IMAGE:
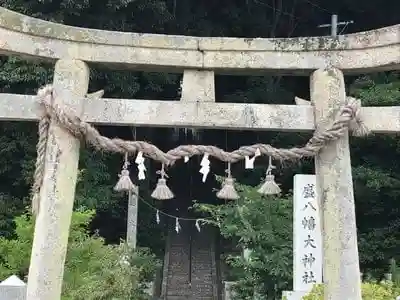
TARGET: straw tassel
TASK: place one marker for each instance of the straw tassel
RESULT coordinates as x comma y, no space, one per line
228,191
162,191
269,187
124,183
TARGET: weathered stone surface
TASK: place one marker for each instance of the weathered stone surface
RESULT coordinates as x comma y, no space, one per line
71,78
366,51
122,112
341,271
198,86
131,228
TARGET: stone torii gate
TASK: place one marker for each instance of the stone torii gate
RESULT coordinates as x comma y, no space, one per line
325,58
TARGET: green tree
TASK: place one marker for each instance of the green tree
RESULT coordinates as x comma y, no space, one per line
376,177
263,225
93,270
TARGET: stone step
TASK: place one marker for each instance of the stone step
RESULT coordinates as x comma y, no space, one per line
178,266
183,290
201,261
196,256
201,271
201,257
178,272
202,286
180,290
204,255
180,297
207,279
178,276
178,250
173,282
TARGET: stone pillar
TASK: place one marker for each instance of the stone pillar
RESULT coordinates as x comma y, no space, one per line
71,79
131,228
341,271
198,85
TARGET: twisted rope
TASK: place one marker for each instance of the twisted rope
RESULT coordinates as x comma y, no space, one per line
43,129
348,118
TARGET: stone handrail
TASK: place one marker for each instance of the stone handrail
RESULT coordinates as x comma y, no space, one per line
362,52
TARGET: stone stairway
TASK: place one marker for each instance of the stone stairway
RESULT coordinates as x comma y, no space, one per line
204,279
189,265
178,268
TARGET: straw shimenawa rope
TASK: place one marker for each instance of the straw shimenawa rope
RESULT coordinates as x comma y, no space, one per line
43,130
348,118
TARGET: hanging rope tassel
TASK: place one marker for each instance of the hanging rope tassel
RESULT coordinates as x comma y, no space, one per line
269,187
228,191
162,191
124,183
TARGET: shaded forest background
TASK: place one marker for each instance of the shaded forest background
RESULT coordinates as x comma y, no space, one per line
375,160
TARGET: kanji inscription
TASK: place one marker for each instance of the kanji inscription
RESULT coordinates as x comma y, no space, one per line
309,223
308,277
308,260
307,242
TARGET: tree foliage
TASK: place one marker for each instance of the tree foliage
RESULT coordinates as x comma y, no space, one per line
376,178
93,270
263,225
370,291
